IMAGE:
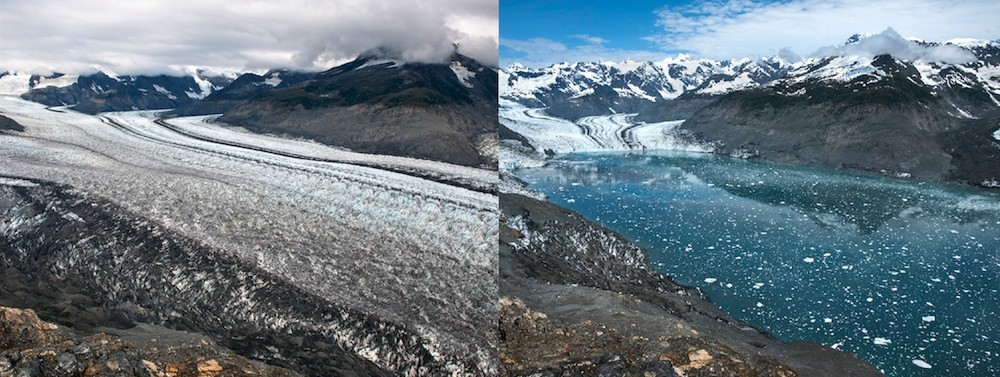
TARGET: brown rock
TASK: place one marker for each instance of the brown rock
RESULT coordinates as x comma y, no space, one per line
209,368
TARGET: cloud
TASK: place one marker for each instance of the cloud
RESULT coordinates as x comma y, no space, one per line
736,28
539,52
590,39
133,37
890,42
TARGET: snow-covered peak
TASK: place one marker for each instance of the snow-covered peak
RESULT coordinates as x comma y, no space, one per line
972,42
889,42
858,37
836,69
638,80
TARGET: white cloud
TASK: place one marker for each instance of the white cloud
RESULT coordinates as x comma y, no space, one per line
890,42
161,36
590,39
737,28
539,52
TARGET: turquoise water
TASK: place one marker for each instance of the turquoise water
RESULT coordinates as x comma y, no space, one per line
901,273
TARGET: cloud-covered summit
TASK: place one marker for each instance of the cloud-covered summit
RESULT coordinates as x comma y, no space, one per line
890,42
150,37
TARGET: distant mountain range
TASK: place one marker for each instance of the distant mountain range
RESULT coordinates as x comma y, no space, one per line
575,90
374,104
105,91
880,103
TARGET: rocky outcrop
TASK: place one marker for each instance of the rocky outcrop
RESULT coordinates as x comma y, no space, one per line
579,299
7,124
31,347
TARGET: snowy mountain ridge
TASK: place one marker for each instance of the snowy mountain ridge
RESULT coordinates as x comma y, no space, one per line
633,86
652,81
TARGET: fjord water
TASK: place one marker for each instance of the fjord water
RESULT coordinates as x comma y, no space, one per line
904,274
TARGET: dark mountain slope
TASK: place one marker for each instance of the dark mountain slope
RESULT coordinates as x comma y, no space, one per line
375,105
243,88
888,120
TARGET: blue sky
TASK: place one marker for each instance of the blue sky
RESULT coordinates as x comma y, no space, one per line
539,33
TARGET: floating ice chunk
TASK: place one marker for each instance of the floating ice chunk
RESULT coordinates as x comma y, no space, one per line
928,318
758,285
882,341
808,260
760,304
921,363
711,280
827,320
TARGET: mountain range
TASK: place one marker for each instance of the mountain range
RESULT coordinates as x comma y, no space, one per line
879,102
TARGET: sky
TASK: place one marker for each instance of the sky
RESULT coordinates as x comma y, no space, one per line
539,33
172,36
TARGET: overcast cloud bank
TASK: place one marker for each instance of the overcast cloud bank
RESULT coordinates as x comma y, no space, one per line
151,37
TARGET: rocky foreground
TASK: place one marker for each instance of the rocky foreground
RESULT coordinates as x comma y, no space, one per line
30,346
579,299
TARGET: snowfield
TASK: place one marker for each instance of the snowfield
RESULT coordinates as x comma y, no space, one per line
595,133
384,235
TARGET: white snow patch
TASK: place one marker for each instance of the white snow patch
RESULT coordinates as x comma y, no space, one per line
164,91
463,74
58,82
373,62
274,80
14,83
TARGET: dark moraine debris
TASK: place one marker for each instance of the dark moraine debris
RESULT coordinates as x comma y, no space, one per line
7,124
84,262
579,299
